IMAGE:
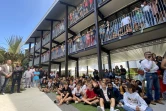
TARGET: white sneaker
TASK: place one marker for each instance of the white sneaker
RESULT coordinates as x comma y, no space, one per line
99,108
116,110
76,102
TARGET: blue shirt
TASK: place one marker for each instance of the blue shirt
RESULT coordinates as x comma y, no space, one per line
36,75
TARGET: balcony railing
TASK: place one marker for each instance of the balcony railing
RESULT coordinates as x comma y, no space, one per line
36,62
46,39
59,28
58,52
37,46
45,57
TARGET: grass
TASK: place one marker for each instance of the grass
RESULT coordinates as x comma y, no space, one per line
82,107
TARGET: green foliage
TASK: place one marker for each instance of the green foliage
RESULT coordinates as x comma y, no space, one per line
13,50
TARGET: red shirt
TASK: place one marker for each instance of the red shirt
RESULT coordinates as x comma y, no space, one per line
91,1
90,93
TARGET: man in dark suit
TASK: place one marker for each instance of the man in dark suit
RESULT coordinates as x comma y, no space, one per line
5,73
16,77
106,98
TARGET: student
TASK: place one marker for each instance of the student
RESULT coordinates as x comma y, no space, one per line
43,86
36,78
72,85
132,100
65,96
77,93
106,99
90,97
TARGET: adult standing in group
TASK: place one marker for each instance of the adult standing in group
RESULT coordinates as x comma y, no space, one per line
36,78
16,77
6,73
28,75
41,75
123,73
150,68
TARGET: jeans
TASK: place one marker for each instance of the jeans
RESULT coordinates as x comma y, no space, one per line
149,17
18,80
152,80
126,108
3,88
123,77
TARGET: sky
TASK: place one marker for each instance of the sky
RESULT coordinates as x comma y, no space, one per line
20,17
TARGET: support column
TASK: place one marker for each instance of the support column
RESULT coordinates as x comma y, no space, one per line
29,51
50,55
109,61
60,70
41,40
128,66
98,39
34,53
66,42
77,68
87,70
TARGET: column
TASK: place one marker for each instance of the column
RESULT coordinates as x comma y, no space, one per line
77,68
29,51
128,68
41,40
109,60
87,70
66,42
50,56
98,39
60,70
34,53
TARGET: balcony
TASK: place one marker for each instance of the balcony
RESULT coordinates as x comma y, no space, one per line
36,62
45,57
46,39
32,50
37,47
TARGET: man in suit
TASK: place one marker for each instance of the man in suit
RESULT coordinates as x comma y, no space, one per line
5,73
16,77
106,98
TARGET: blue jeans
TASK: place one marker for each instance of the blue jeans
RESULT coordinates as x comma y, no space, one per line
152,80
149,18
126,108
4,85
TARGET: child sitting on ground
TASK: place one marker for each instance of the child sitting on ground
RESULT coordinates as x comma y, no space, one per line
77,93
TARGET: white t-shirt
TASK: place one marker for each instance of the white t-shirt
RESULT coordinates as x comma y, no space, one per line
146,8
125,21
84,88
72,86
133,100
77,92
105,95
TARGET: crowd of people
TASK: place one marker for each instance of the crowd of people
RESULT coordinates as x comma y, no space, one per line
150,13
112,91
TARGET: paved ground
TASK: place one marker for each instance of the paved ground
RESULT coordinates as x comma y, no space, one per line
30,100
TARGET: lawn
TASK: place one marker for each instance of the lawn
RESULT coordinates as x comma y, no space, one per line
82,107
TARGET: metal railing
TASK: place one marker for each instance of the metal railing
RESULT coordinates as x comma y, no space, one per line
45,57
36,61
59,28
46,39
37,46
58,51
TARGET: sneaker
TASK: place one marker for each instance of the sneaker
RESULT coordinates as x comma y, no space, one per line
94,104
55,101
76,102
99,108
116,110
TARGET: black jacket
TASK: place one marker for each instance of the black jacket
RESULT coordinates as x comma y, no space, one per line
101,94
17,73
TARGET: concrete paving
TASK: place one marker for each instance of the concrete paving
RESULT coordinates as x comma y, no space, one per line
29,100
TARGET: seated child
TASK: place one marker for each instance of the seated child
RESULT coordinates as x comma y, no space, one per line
90,97
132,100
77,93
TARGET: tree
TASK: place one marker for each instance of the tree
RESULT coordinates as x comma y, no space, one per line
13,50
